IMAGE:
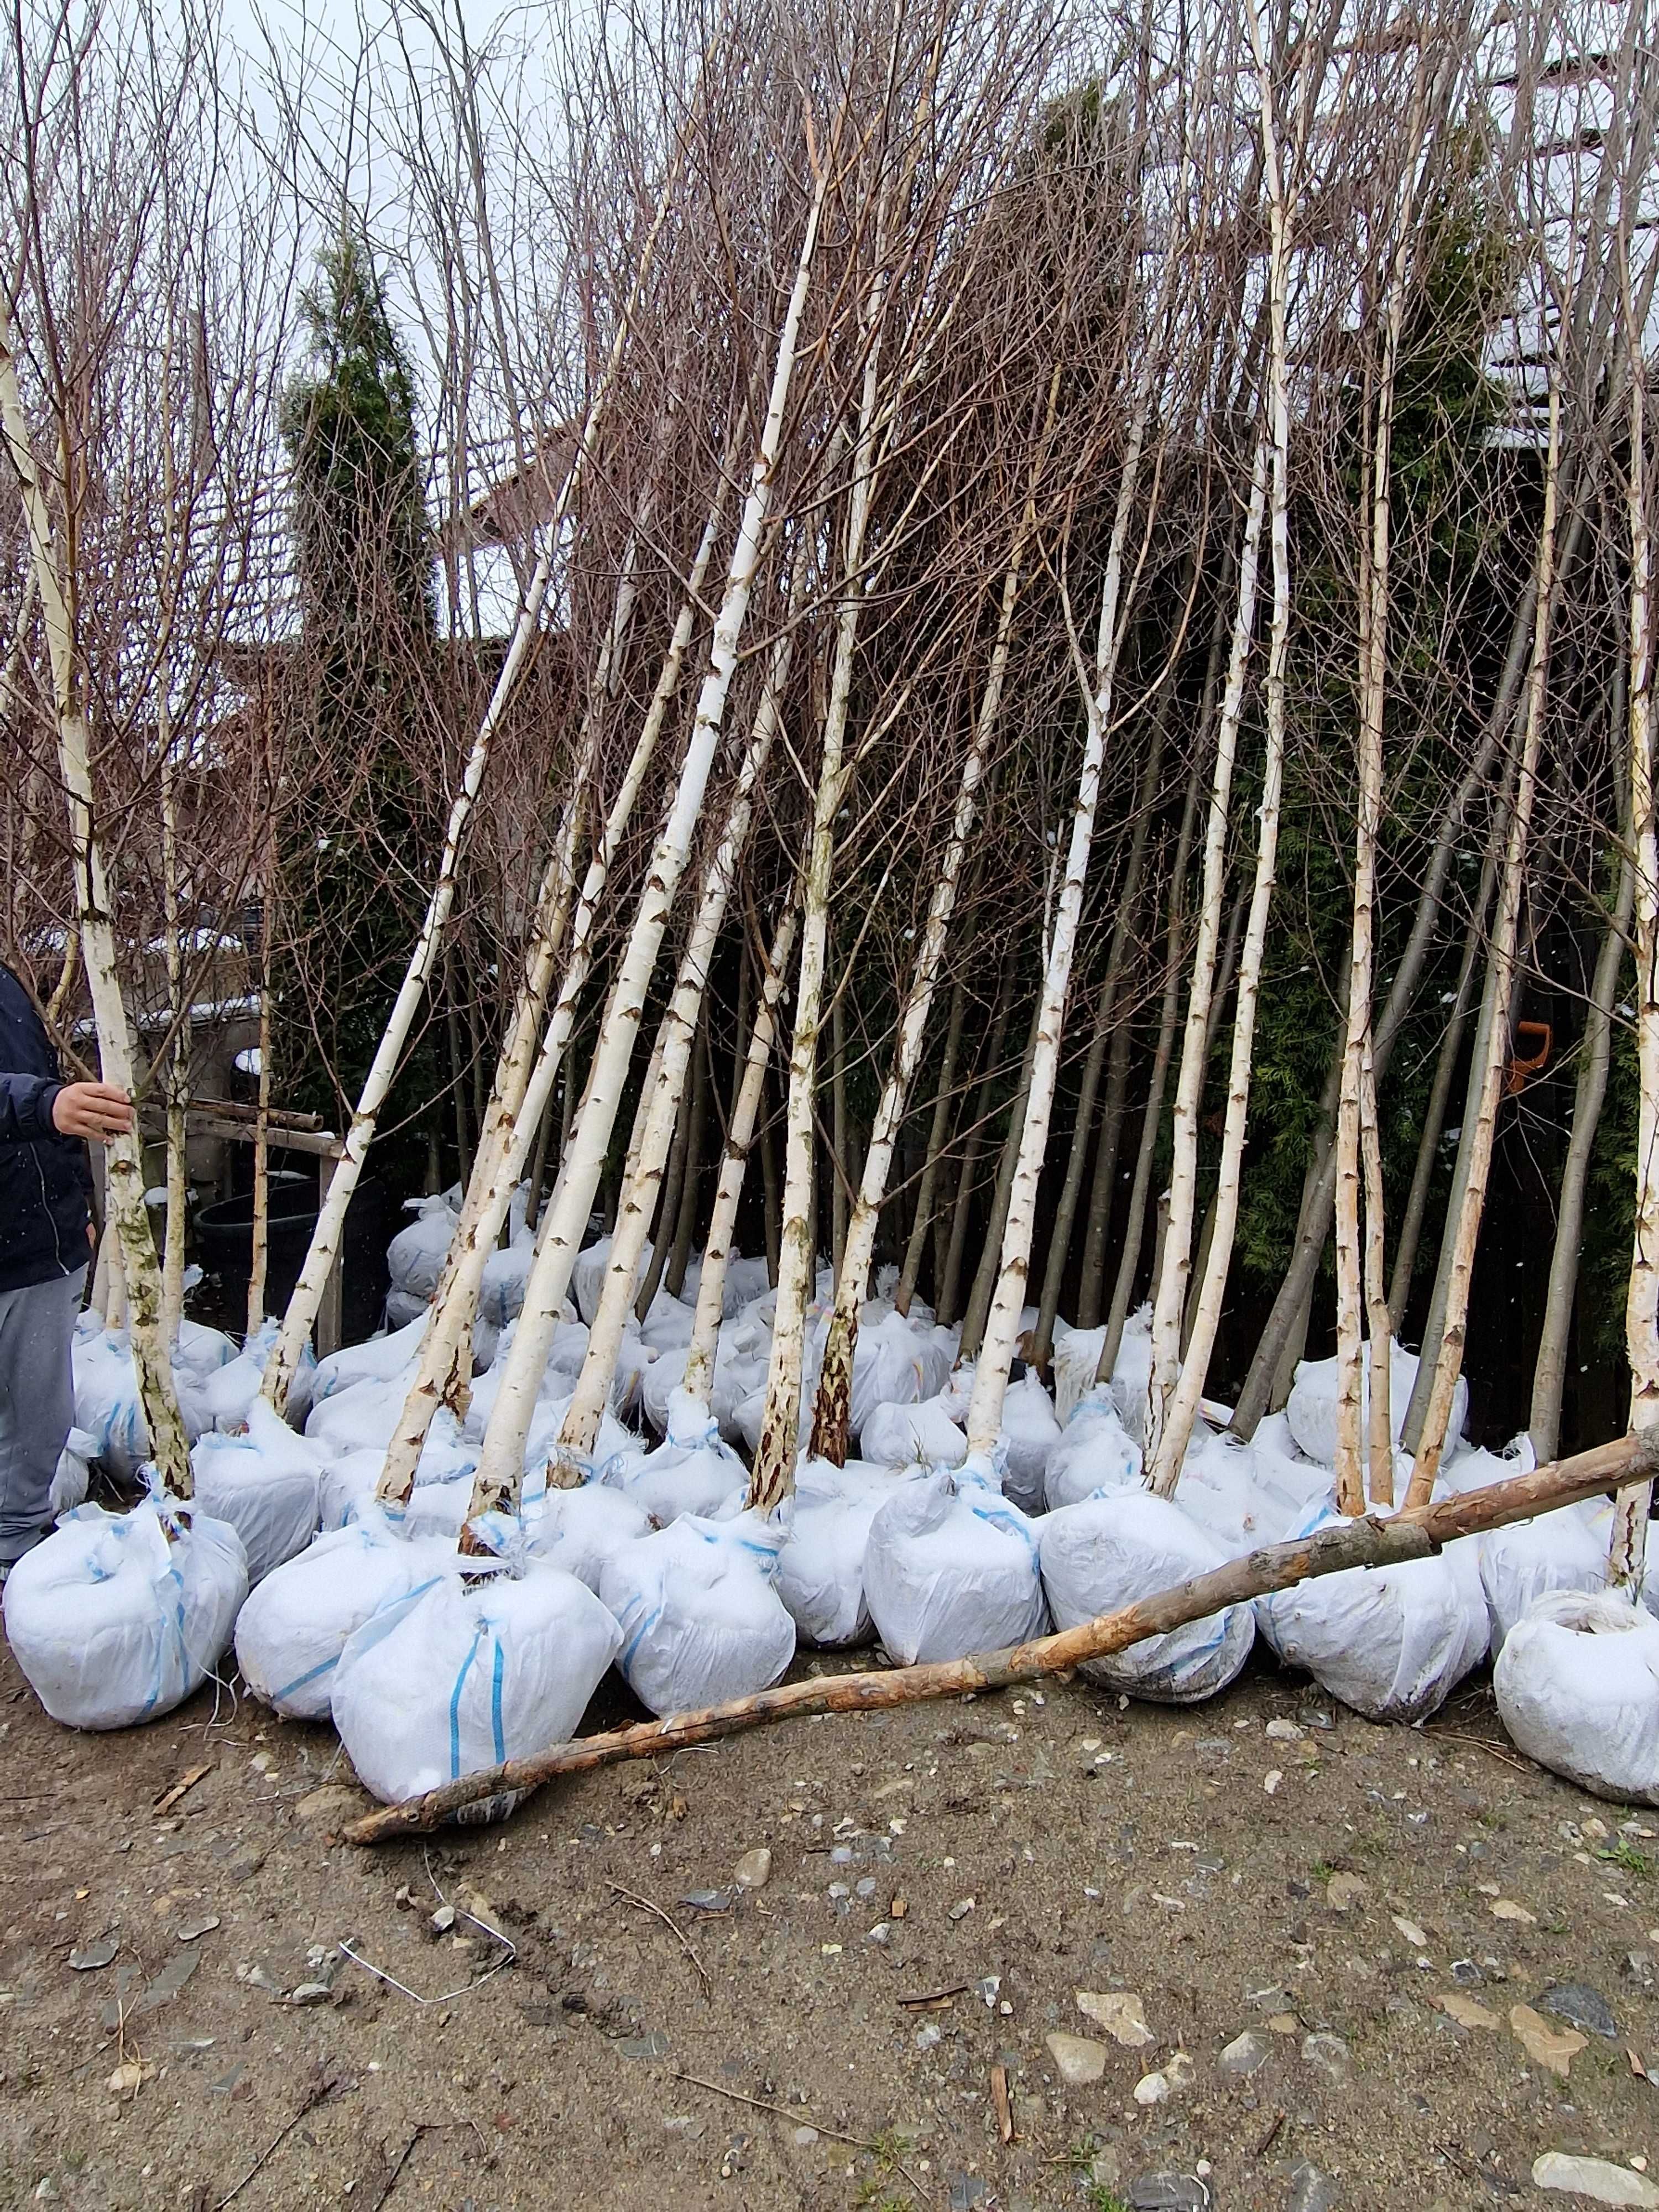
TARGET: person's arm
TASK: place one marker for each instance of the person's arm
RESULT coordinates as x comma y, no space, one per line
26,1108
36,1106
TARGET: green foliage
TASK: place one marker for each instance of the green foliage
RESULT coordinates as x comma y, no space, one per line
348,424
1625,1856
1444,510
1610,1209
357,822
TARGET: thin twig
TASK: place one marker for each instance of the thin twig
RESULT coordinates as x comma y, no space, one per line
422,2128
673,1926
802,2118
391,2181
1271,2136
314,2096
1480,1743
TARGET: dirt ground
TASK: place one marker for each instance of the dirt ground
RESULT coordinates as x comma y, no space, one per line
1266,1867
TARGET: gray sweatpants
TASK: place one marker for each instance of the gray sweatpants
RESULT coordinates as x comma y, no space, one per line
37,1403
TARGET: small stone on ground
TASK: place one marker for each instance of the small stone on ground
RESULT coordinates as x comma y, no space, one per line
1078,2059
1594,2178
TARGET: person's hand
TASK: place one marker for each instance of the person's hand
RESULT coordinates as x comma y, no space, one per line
95,1110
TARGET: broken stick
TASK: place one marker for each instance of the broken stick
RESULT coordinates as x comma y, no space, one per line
1416,1533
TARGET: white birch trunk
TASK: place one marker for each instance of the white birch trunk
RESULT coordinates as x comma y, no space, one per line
665,1093
1106,1027
773,1476
178,1069
699,1377
939,1131
124,1174
307,1297
501,1461
259,1253
1432,1439
1178,1380
1351,1113
1135,1229
1378,1322
1629,1549
833,1405
324,1248
525,1078
996,1351
1170,1298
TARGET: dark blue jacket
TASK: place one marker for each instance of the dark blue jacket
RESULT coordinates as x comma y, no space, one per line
44,1178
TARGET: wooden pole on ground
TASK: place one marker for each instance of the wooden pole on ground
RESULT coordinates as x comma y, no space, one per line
1416,1533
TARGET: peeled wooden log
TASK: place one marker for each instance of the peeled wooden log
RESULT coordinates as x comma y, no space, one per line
1416,1533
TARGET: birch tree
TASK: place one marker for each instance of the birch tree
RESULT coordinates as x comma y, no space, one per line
501,1459
324,1248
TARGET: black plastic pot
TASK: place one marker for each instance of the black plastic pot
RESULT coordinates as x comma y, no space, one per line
224,1245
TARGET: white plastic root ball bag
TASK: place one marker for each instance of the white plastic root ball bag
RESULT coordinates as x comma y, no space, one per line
588,1273
1577,1688
668,1326
740,1357
473,1670
1311,1407
1392,1642
1285,1488
414,1257
375,1361
117,1617
501,1287
72,1478
615,1449
290,1633
1132,1371
742,1353
743,1282
107,1401
950,1567
226,1394
199,1351
698,1606
1562,1551
436,1509
1106,1553
924,1434
1247,1494
1030,1431
265,1483
580,1530
564,1364
692,1472
362,1417
820,1568
1076,1356
347,1484
896,1361
402,1307
634,1359
1094,1451
661,1382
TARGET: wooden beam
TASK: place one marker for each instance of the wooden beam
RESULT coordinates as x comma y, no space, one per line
1416,1533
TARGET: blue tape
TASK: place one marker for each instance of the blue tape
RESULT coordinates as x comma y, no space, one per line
455,1706
300,1681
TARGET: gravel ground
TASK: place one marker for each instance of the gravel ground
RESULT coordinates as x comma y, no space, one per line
1303,1962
